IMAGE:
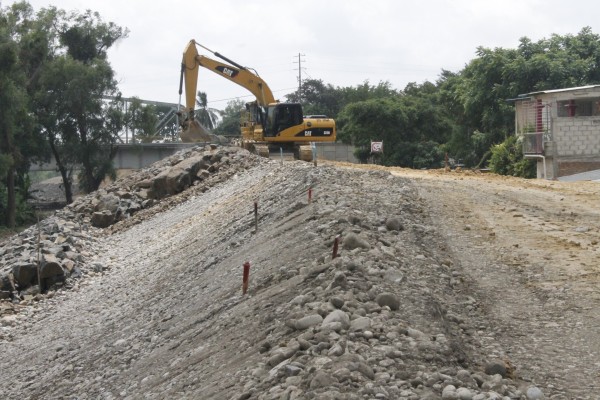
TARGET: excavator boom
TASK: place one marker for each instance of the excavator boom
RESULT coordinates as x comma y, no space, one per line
235,73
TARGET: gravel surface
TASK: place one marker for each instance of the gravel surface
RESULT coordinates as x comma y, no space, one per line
446,286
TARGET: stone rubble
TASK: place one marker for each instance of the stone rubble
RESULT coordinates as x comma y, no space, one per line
390,318
61,245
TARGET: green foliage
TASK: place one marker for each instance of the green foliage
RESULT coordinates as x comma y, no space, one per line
142,120
24,213
230,118
81,128
318,98
19,142
477,95
507,159
376,119
412,124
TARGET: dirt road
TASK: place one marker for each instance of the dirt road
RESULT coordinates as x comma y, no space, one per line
531,249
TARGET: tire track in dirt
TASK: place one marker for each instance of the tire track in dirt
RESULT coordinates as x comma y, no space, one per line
533,270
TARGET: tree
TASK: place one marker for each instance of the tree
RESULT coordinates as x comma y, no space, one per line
12,108
478,94
412,125
207,116
317,97
19,143
81,128
230,118
142,120
376,119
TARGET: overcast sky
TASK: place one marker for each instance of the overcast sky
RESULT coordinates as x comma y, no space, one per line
342,42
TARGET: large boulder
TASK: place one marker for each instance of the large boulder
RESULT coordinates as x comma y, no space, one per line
51,273
25,274
177,178
108,202
353,241
102,219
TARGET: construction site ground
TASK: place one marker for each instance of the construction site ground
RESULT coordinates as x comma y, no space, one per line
502,268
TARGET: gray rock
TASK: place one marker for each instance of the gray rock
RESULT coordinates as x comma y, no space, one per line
109,203
339,280
304,344
322,380
352,265
336,350
308,321
280,354
337,302
388,299
337,316
332,327
366,370
464,394
102,219
25,274
393,276
394,224
449,393
299,300
534,393
353,241
292,370
496,367
360,324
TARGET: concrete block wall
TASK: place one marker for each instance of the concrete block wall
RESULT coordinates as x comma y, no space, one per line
577,136
336,152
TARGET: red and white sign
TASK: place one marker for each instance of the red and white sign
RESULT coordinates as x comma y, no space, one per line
376,147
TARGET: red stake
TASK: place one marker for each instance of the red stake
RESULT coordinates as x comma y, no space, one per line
336,243
309,195
246,277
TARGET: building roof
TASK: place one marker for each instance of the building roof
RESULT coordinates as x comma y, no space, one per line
573,89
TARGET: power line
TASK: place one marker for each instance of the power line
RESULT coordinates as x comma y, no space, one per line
299,62
244,96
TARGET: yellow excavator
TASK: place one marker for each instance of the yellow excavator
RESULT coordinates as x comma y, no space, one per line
266,122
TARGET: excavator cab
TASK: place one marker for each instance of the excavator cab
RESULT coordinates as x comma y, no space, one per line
281,116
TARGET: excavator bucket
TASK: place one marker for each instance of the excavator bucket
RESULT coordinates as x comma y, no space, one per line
193,132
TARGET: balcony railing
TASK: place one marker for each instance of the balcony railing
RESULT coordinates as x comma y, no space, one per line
533,143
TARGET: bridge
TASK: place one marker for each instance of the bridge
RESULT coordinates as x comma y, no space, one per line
140,155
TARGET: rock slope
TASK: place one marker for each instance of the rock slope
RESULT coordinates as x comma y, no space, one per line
390,317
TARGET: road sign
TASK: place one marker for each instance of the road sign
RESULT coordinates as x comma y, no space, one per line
376,147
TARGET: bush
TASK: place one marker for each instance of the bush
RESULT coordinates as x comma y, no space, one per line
507,159
416,155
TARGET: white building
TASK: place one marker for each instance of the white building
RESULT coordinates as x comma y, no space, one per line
561,129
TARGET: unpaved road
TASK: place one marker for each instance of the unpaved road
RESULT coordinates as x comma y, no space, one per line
510,267
532,248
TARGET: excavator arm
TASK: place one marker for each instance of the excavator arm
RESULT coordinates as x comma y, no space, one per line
192,130
233,72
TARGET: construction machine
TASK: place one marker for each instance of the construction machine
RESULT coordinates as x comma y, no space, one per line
266,123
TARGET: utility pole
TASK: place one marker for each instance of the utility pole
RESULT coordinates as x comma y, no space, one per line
299,62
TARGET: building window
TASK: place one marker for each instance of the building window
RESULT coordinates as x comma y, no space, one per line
579,108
